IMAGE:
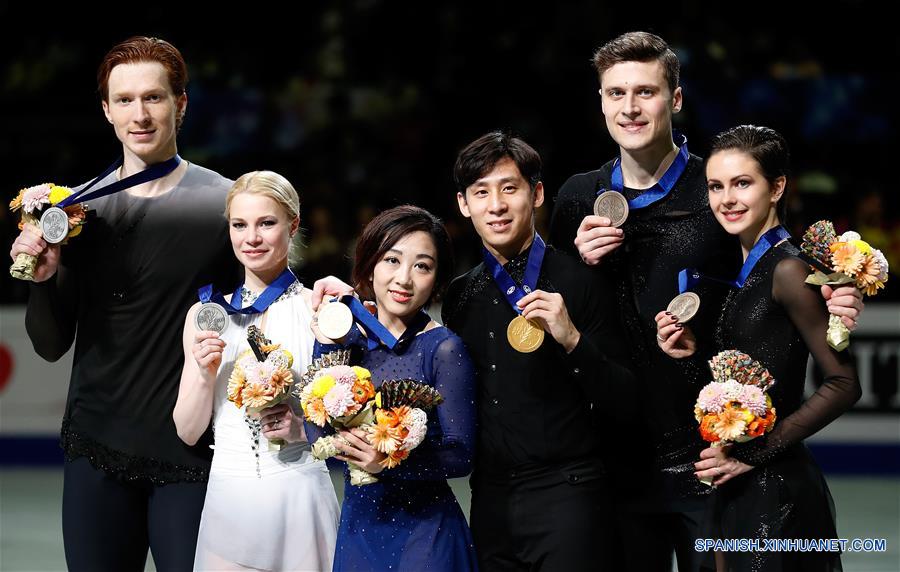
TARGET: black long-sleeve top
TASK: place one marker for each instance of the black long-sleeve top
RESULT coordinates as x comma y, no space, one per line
121,293
541,408
679,231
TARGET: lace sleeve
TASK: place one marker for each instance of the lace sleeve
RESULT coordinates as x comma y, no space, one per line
447,452
840,388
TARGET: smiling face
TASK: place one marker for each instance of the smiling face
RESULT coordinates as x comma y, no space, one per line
638,105
143,110
501,205
261,232
742,199
404,278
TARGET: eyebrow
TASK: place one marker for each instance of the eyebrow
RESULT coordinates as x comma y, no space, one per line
423,255
501,181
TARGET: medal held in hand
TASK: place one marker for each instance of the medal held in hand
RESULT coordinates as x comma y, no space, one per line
211,317
612,205
54,225
524,335
684,306
335,320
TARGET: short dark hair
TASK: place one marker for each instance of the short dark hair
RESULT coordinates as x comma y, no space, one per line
638,47
766,146
480,156
385,230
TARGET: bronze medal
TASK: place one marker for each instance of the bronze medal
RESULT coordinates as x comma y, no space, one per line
684,306
612,205
524,335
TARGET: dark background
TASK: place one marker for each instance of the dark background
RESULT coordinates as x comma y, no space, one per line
363,105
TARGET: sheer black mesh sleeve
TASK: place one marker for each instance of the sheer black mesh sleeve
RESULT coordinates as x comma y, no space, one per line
840,388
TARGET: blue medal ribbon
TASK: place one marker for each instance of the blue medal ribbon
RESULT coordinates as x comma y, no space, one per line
665,184
269,295
510,289
376,332
772,237
690,277
151,173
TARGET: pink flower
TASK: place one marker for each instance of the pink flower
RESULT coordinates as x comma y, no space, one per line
34,197
416,422
339,400
712,397
753,399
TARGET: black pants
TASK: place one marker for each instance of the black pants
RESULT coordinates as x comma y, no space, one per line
109,523
649,539
552,518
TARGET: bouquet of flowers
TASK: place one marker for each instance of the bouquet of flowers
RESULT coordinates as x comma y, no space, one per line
344,397
261,378
847,259
33,202
735,407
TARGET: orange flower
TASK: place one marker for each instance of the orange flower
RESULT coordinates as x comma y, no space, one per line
281,379
386,418
362,390
847,258
401,413
16,203
867,279
706,428
255,395
384,438
315,412
236,386
394,459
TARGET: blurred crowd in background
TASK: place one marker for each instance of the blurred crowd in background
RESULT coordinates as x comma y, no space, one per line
364,104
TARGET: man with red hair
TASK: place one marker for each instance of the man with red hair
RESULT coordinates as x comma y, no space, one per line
124,286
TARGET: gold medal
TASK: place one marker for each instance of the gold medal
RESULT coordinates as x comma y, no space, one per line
524,335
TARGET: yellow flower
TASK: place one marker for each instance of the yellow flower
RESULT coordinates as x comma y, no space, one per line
378,400
322,385
362,373
847,259
862,246
58,193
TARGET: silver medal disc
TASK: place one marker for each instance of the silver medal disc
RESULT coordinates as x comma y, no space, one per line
684,306
335,320
55,225
211,317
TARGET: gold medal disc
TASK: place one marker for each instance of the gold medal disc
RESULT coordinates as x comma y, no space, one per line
524,335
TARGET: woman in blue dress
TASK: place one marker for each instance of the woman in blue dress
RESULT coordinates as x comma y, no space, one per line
409,519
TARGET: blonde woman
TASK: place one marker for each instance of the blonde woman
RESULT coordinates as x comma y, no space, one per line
265,509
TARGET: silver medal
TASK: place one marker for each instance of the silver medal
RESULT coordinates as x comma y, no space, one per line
211,317
55,225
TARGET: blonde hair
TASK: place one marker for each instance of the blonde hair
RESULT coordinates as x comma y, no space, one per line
274,186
